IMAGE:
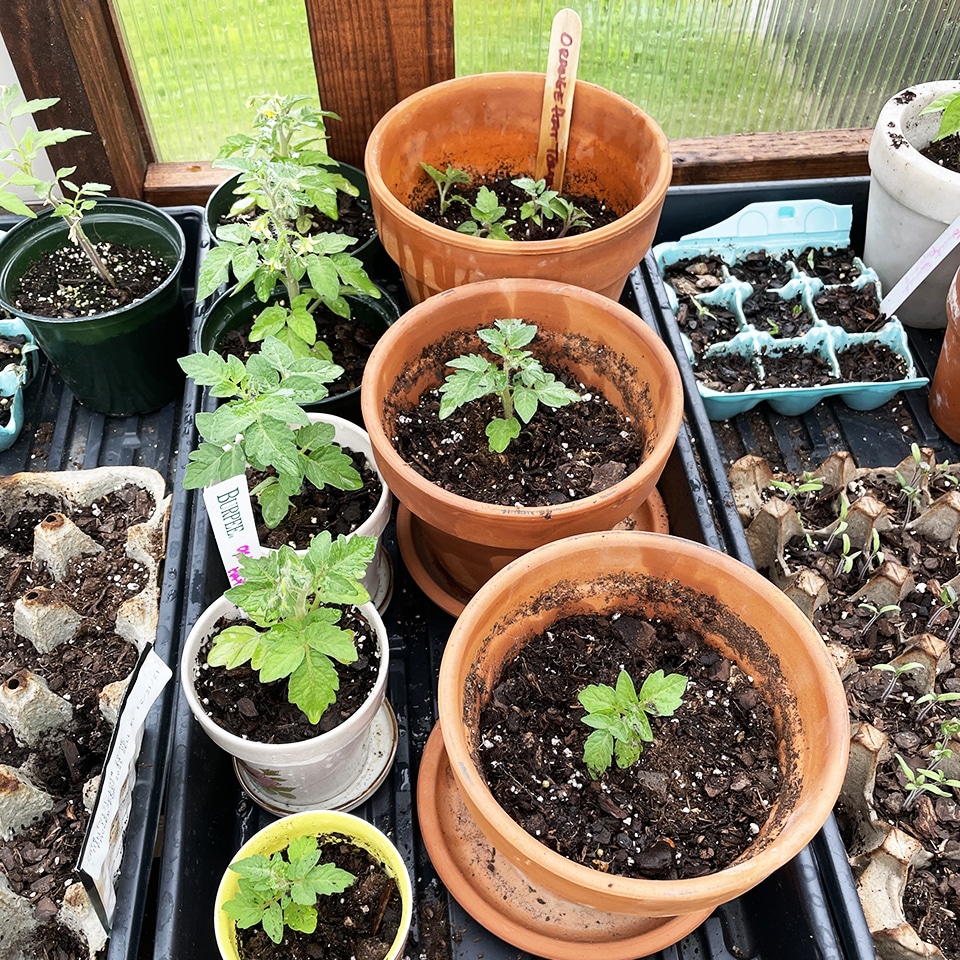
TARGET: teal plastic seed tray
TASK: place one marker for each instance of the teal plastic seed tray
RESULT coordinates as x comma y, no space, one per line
778,277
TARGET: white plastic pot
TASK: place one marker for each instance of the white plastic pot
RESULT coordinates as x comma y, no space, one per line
911,201
338,769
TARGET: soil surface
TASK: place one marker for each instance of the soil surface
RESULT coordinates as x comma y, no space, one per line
63,283
945,153
794,367
39,863
833,265
857,311
771,313
237,700
698,794
11,349
6,411
359,924
727,373
873,362
563,454
512,198
313,510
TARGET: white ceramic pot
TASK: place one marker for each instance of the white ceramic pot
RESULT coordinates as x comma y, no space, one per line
378,580
338,769
911,202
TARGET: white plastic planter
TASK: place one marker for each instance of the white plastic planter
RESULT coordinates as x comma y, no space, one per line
338,769
911,201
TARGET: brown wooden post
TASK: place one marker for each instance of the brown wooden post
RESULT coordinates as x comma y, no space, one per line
70,49
370,54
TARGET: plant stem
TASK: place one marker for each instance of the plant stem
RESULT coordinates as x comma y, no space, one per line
80,238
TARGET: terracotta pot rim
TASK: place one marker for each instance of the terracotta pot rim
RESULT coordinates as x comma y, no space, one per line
677,896
669,418
652,199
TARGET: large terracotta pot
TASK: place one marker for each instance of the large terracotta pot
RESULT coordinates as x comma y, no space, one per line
945,388
584,912
453,544
489,123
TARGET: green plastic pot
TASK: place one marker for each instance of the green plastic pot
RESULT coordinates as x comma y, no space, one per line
229,312
370,253
121,362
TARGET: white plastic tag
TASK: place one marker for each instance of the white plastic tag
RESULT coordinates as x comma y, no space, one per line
102,848
231,516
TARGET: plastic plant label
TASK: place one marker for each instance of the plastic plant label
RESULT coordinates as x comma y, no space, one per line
102,848
231,517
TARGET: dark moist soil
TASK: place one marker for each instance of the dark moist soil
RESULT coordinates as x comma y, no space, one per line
945,153
857,311
63,283
697,796
727,373
350,342
794,367
313,510
237,701
11,349
932,898
706,326
359,924
39,863
694,276
770,313
513,198
563,454
833,265
871,362
762,271
6,411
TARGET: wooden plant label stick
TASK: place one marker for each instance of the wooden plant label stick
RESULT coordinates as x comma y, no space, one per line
562,60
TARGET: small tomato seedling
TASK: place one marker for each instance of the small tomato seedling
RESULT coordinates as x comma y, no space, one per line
619,717
282,891
521,383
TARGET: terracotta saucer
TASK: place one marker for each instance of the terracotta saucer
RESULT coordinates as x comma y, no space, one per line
499,897
384,734
447,593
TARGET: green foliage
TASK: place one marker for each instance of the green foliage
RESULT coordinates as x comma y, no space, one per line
949,103
66,199
284,183
445,180
262,423
924,780
282,891
895,672
619,717
487,213
520,381
294,633
547,204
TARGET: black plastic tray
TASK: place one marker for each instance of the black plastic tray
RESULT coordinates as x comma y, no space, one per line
875,438
207,816
80,439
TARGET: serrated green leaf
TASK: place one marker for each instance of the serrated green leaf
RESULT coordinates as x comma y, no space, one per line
272,922
214,271
269,322
210,464
234,646
298,916
313,685
274,503
661,694
245,262
323,277
501,431
598,752
281,652
330,466
525,403
627,753
597,698
10,202
353,274
626,692
330,640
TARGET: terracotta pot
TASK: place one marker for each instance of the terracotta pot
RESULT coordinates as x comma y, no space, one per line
277,836
945,388
338,769
911,201
489,123
453,544
604,572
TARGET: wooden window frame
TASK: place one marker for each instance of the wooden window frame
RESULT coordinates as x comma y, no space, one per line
368,55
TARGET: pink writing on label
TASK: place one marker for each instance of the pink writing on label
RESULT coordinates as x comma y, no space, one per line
233,574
